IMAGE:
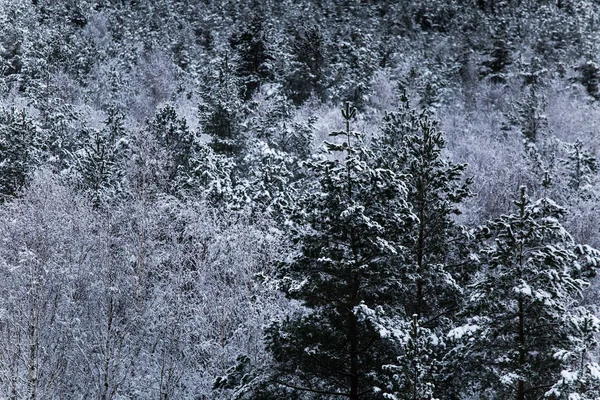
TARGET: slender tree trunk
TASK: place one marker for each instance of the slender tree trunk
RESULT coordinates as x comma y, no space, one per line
353,339
521,314
420,206
420,268
521,384
33,336
32,373
355,282
107,350
353,358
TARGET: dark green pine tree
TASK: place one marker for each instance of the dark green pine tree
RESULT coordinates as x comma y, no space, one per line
11,53
495,67
306,70
351,64
580,377
411,377
174,136
274,122
17,151
519,313
99,159
581,166
348,225
435,269
222,110
411,144
269,178
590,78
530,115
254,60
212,177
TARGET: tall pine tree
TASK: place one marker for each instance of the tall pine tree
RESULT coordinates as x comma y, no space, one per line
222,110
411,144
98,160
348,226
520,303
177,141
255,62
435,269
17,140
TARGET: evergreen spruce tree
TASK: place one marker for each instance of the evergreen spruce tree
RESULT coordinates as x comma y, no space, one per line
590,78
533,72
269,178
222,110
348,226
495,67
306,75
580,377
435,269
531,114
212,177
273,159
411,144
528,114
11,54
98,161
581,167
17,152
273,121
254,58
62,134
519,314
174,136
413,376
352,63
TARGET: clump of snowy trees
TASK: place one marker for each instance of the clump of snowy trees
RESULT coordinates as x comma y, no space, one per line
399,302
186,214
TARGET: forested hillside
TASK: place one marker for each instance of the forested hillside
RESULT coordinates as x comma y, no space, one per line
299,199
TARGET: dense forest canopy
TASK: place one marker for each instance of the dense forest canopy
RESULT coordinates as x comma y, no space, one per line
299,199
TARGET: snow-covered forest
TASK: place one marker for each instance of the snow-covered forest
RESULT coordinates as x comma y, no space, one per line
299,199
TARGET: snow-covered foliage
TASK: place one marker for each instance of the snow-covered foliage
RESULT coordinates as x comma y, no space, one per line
521,323
164,183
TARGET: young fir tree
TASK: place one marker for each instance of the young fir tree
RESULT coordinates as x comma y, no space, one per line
254,58
411,144
519,307
222,110
212,177
581,167
413,375
98,161
435,270
495,67
530,115
17,141
580,377
60,135
349,225
174,136
269,178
